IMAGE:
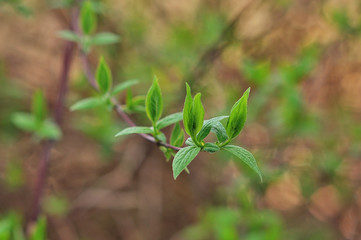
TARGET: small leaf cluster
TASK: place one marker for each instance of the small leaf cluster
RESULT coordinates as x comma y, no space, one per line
154,110
196,127
88,23
37,121
193,112
106,91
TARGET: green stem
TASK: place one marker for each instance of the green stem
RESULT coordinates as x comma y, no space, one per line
224,143
199,144
155,131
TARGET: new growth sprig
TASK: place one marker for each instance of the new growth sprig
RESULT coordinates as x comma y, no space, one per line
198,130
196,127
193,111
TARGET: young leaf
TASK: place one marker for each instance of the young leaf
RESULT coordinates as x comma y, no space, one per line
24,121
207,127
40,230
168,153
187,110
104,38
49,130
87,103
131,130
220,131
161,137
190,142
124,85
87,18
193,113
154,102
183,158
69,35
238,115
211,147
198,113
129,99
135,104
103,76
177,136
169,120
39,106
245,156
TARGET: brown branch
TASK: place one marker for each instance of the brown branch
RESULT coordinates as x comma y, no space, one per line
48,144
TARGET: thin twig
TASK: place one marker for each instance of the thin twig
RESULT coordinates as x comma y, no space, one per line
117,107
48,144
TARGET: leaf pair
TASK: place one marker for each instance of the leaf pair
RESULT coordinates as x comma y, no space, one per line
104,81
154,109
86,42
37,121
88,24
193,114
185,156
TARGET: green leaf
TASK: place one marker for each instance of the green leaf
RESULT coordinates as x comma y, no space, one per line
129,99
87,18
187,110
198,113
190,142
169,120
161,137
245,156
220,131
131,130
49,130
103,76
87,103
5,228
207,127
211,147
104,38
238,115
134,104
154,102
193,113
177,136
39,106
168,153
40,230
24,121
183,158
69,35
124,85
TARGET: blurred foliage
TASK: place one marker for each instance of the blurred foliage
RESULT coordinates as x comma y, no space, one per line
301,59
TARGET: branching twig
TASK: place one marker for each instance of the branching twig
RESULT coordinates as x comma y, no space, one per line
117,107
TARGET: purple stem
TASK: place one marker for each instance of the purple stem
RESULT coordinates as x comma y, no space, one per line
48,144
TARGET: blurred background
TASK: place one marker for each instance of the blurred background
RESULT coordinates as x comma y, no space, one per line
300,57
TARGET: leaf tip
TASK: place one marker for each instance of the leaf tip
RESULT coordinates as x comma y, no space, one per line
246,93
